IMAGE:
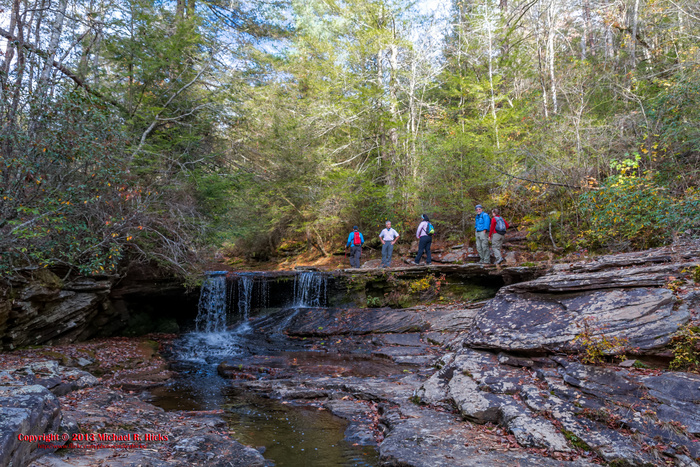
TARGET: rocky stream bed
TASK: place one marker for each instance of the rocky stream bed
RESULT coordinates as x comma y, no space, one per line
497,382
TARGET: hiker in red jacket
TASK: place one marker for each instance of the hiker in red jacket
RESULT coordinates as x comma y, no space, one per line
497,233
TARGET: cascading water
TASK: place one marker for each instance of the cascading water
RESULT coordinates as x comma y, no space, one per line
292,436
211,316
310,289
211,340
245,296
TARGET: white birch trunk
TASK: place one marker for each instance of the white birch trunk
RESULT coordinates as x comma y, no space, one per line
56,30
489,26
550,53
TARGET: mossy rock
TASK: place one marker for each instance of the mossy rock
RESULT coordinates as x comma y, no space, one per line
47,278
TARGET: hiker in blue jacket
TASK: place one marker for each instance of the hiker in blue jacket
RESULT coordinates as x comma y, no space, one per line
482,225
355,242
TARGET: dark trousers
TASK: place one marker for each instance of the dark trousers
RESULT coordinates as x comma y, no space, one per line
424,245
355,252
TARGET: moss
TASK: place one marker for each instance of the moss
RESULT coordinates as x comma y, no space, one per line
472,292
576,441
63,359
47,279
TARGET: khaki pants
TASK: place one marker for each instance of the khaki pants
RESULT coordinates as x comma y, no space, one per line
482,246
496,244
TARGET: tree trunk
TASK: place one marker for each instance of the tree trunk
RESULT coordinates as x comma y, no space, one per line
56,30
550,53
633,42
493,96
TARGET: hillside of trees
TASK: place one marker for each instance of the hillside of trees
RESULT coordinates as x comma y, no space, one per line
161,132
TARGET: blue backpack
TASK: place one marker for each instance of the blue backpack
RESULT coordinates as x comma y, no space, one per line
500,225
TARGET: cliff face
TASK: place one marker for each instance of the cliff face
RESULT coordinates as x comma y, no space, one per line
40,308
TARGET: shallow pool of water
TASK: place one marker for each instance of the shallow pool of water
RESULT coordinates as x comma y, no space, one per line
288,435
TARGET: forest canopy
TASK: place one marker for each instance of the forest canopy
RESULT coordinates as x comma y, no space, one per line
135,130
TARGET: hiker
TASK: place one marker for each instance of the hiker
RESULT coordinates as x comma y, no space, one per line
425,238
482,225
355,242
496,233
388,236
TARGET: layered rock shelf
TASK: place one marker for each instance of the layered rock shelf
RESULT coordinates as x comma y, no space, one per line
496,381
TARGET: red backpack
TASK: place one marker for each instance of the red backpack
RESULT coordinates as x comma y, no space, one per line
357,239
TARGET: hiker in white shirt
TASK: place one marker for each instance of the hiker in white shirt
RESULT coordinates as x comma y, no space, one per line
388,236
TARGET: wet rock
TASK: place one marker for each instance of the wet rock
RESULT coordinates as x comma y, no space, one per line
406,339
359,414
335,321
391,352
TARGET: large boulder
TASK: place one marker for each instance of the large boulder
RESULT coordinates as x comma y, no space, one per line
27,414
646,317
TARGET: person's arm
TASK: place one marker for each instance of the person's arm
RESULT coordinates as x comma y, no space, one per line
349,240
381,236
396,237
507,224
362,240
493,227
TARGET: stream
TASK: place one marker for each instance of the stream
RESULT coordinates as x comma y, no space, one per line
286,434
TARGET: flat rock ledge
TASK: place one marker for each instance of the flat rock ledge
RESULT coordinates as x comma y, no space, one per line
628,417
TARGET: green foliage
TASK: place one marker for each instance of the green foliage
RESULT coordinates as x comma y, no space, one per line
627,211
76,206
696,274
576,441
595,344
684,347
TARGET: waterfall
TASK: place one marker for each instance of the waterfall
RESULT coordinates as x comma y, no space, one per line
263,293
211,316
212,341
245,296
310,289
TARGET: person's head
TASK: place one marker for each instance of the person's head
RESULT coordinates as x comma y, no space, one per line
355,228
388,224
496,212
479,209
425,217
